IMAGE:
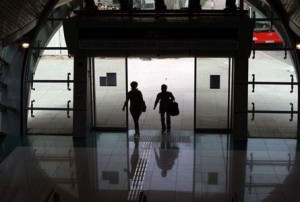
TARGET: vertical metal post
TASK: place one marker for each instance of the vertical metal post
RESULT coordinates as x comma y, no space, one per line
81,2
126,88
93,100
241,5
229,94
195,92
194,136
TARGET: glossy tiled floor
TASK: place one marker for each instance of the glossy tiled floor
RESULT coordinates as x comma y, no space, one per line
179,166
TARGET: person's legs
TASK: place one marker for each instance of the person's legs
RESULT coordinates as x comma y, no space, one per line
136,117
136,125
162,119
168,122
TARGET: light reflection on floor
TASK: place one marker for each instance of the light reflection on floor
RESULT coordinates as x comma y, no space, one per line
179,166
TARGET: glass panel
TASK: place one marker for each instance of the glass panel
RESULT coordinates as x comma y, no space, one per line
58,40
110,92
273,125
54,68
212,4
178,75
273,97
52,95
50,122
150,4
270,66
171,4
212,93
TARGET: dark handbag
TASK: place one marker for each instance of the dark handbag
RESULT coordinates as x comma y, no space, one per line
144,106
174,110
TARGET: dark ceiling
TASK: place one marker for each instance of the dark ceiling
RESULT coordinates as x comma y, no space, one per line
17,17
291,9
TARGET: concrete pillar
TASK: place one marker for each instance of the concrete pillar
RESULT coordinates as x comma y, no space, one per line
240,97
82,107
237,178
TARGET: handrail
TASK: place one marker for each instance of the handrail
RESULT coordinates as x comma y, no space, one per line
291,112
55,195
253,83
49,195
67,109
3,62
68,81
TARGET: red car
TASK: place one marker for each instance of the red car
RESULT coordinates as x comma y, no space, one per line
263,33
266,37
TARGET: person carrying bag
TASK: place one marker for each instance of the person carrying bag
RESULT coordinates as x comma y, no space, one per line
165,98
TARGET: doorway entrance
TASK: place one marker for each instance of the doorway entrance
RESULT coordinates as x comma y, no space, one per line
201,86
178,75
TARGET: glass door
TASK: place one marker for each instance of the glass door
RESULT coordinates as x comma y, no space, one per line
213,94
110,93
178,75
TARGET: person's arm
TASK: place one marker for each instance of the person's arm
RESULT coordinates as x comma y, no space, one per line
156,101
172,97
126,102
142,96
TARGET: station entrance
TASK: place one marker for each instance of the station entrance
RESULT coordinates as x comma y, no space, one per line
201,86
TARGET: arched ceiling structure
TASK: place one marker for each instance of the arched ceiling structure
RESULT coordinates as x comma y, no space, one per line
291,9
18,17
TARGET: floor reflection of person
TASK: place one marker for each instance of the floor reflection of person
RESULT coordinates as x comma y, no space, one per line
165,160
133,160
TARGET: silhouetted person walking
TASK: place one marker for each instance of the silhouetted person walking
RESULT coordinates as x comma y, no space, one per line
164,98
136,104
90,4
194,5
125,5
160,5
230,6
